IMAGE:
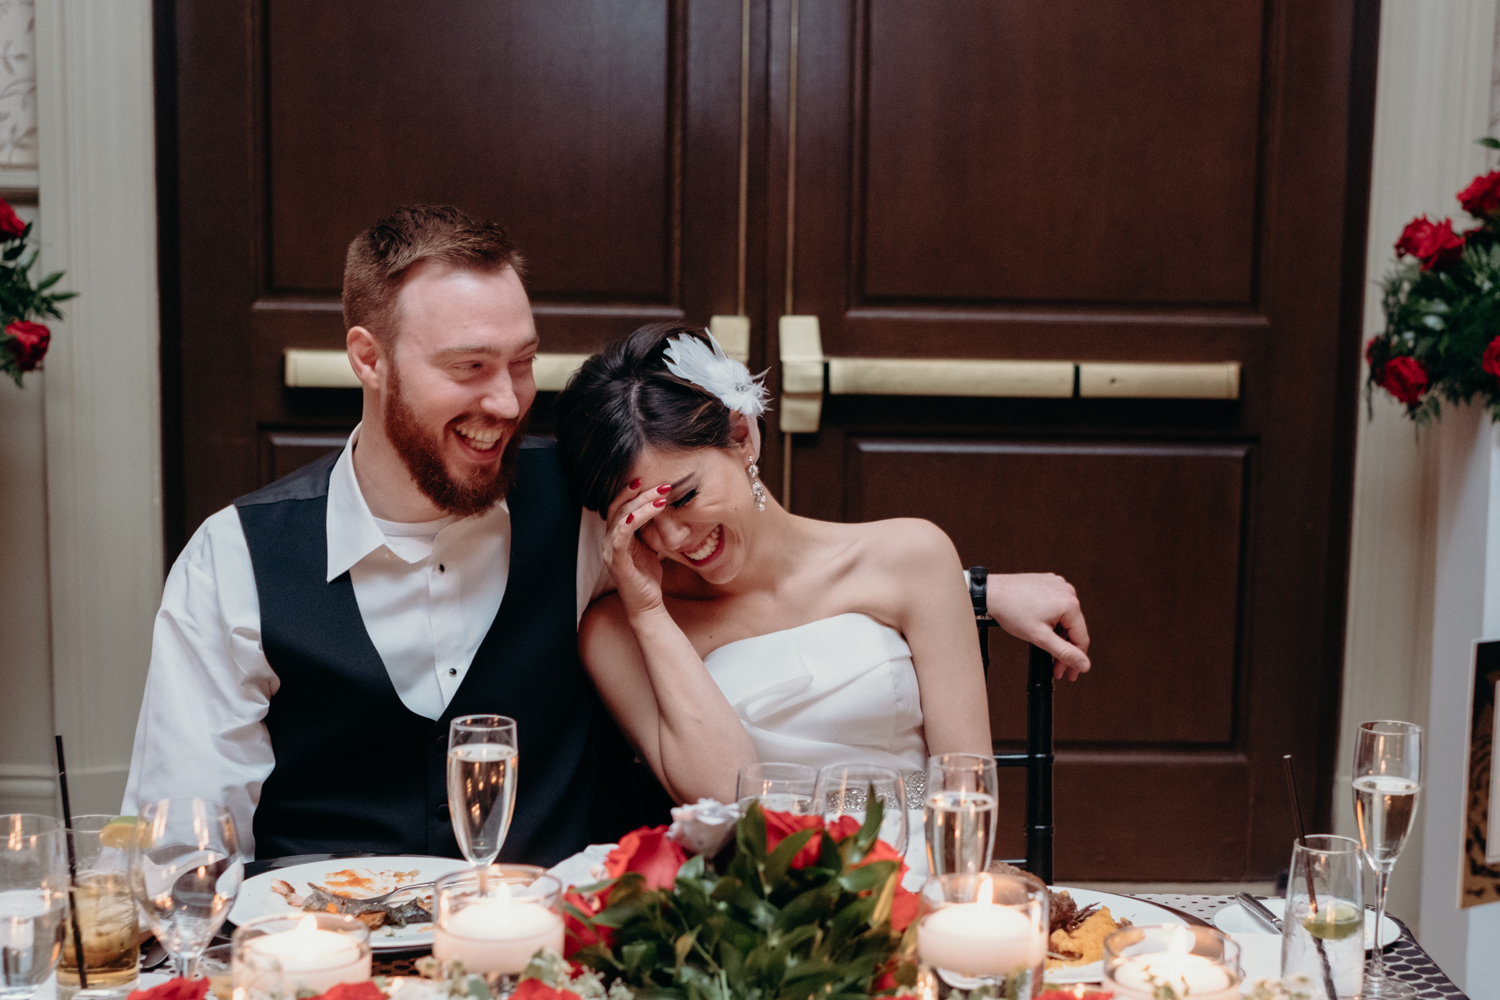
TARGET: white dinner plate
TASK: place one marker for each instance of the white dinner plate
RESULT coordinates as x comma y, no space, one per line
1234,919
1137,911
257,900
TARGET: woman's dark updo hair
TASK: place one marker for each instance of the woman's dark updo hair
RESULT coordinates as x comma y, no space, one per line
622,400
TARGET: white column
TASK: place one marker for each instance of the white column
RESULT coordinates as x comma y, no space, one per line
1466,607
103,424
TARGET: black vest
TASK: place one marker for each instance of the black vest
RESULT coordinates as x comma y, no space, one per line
356,770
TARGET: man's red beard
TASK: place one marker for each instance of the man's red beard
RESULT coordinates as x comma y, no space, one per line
473,494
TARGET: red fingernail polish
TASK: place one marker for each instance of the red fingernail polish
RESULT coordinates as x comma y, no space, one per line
664,490
629,518
658,503
635,484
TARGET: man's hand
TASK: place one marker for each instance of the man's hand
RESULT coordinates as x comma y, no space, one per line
1030,605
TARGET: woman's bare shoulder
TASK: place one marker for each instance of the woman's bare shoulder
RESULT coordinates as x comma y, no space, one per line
901,544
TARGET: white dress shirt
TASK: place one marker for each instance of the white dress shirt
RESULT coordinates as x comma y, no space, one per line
427,593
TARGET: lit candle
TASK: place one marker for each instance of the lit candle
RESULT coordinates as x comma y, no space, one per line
307,957
498,934
980,938
1193,976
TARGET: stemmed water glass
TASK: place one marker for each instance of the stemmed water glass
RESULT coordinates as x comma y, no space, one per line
844,790
483,757
1387,778
185,871
784,788
961,812
33,901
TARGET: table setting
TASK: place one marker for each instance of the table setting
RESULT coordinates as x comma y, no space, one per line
827,881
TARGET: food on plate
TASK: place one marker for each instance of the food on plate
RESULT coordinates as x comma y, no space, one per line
364,895
1077,933
1083,942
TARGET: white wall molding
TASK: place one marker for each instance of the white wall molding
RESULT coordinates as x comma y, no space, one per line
97,184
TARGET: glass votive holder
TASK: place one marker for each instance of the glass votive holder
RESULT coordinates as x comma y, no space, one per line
1172,962
494,919
981,931
278,956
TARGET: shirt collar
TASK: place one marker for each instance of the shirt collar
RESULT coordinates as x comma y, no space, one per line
351,528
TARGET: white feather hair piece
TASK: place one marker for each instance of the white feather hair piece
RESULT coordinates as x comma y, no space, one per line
708,367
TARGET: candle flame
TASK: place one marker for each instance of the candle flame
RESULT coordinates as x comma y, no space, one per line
307,924
985,895
1182,941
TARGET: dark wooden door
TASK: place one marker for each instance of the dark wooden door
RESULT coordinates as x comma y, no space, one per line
1077,182
1084,181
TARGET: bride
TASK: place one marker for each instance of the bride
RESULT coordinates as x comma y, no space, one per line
741,632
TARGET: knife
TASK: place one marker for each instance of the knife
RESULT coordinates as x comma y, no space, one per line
1258,910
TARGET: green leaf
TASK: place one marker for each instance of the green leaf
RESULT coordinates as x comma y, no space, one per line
684,944
886,899
780,860
1489,142
867,877
750,833
49,281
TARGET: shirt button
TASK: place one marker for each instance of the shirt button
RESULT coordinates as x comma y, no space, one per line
442,812
452,671
442,568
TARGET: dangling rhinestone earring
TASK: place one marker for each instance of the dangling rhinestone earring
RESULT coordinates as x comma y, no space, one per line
756,489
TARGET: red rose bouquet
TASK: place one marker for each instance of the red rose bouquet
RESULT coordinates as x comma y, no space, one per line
796,908
23,342
1442,309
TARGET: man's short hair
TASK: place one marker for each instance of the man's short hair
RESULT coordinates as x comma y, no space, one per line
380,259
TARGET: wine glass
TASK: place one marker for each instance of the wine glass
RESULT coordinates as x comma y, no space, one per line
185,870
483,757
1387,778
844,790
961,810
33,901
785,788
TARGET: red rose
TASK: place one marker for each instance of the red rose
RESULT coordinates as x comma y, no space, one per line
1434,244
354,991
30,346
1491,362
904,908
649,852
12,226
780,825
578,934
1482,197
1404,378
535,989
173,989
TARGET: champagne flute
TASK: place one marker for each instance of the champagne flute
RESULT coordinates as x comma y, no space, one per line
483,757
33,901
844,790
961,810
784,788
1387,778
185,870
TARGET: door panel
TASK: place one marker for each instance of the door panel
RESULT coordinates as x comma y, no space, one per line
1138,577
1025,162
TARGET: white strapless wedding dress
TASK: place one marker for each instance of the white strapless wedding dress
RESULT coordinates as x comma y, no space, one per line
834,691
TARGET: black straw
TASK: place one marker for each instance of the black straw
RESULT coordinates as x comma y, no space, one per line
1291,788
62,782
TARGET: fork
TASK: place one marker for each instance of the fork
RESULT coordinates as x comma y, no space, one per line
376,900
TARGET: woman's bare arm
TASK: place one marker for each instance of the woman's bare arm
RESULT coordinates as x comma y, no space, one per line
917,572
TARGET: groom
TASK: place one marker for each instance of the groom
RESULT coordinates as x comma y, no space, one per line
316,637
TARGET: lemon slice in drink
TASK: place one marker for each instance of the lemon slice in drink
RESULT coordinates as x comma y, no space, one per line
1335,923
116,832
